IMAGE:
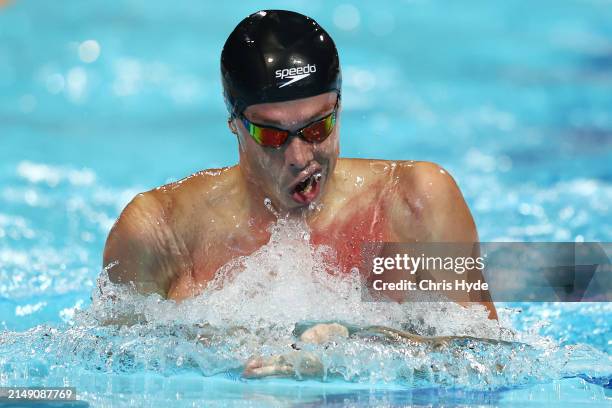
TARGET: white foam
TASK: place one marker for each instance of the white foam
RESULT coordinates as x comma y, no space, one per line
254,303
289,281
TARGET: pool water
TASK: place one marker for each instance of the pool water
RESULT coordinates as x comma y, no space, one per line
99,101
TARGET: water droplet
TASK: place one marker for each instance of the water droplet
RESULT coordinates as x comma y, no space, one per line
270,207
378,167
89,51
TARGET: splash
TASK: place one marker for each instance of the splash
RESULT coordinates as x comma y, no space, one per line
256,304
289,281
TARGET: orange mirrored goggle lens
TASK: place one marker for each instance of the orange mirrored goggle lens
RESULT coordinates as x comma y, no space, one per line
271,137
268,136
320,130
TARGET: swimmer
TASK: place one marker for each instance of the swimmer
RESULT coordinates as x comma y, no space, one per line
282,87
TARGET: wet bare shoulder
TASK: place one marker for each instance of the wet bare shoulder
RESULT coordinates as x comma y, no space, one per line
377,167
364,172
196,193
434,197
151,244
137,247
426,181
421,176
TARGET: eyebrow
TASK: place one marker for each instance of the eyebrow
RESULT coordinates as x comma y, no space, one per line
316,116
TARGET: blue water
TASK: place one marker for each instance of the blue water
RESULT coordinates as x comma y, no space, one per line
514,99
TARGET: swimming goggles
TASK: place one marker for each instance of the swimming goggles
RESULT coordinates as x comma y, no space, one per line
314,132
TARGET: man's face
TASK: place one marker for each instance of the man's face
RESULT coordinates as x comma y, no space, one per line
295,174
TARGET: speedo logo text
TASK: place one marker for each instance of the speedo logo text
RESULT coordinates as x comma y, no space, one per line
295,74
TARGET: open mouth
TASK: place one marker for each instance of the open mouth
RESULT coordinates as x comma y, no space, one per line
307,190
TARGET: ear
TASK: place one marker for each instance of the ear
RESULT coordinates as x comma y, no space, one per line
232,126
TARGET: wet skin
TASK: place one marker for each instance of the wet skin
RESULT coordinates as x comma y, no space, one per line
171,240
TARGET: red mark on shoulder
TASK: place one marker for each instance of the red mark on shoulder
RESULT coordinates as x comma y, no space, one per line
347,236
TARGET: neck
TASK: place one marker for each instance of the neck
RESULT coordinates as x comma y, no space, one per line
255,202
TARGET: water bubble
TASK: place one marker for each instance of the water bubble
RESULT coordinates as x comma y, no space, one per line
346,17
89,51
270,206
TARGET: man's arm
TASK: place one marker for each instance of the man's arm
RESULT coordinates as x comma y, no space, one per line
141,248
439,213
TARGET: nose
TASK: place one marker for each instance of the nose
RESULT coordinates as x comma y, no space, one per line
299,154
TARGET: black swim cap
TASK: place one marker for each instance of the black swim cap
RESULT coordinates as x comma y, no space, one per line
277,55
